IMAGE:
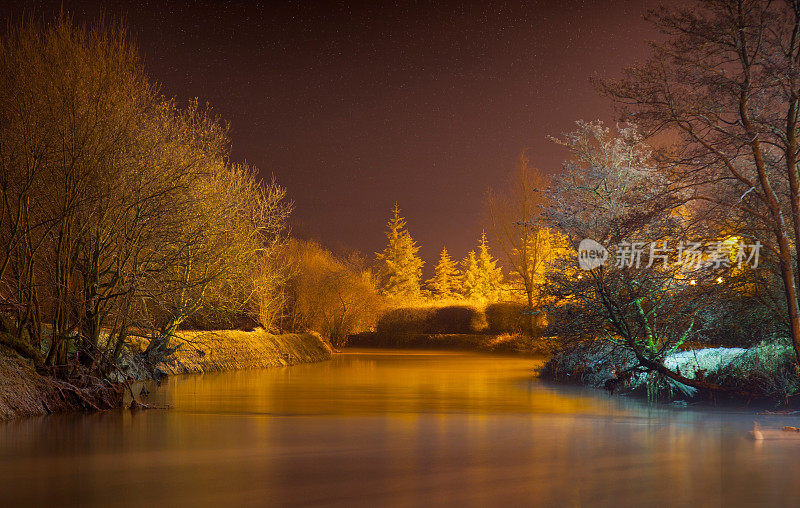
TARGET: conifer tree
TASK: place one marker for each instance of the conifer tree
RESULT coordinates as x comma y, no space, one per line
469,275
446,279
482,279
400,267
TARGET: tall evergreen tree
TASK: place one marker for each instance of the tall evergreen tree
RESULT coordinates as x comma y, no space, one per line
482,278
469,275
400,267
446,279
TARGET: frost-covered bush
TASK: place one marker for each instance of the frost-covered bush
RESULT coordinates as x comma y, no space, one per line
591,363
701,361
768,369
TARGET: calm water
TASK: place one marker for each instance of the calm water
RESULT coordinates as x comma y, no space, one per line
376,428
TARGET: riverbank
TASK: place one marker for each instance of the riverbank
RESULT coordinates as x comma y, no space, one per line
25,392
222,350
505,343
765,374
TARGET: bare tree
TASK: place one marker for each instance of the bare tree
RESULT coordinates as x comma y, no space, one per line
515,215
335,297
120,213
614,193
725,87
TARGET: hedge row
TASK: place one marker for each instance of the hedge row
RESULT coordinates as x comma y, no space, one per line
496,318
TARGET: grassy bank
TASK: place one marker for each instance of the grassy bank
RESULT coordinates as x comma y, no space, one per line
764,374
494,328
221,350
515,344
24,392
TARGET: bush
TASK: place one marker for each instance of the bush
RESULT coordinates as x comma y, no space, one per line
739,319
768,369
454,319
457,319
587,362
333,296
512,317
404,321
506,317
220,319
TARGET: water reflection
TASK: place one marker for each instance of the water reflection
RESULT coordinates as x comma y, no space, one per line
376,428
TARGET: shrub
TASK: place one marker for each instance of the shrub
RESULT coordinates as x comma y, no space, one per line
453,319
768,369
405,321
512,317
220,319
333,296
506,317
738,321
587,362
456,319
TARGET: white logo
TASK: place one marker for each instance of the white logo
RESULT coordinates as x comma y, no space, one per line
591,254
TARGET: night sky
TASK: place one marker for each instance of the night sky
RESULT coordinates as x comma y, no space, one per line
354,107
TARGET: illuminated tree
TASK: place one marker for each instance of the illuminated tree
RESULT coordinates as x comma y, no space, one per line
482,278
517,224
333,296
446,281
724,85
120,213
400,269
612,191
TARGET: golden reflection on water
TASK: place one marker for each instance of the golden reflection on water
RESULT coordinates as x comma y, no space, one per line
390,428
376,382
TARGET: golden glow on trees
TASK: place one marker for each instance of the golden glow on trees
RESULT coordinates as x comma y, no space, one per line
400,270
121,213
446,281
334,296
482,278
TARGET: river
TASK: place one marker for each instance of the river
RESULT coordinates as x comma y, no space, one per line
396,428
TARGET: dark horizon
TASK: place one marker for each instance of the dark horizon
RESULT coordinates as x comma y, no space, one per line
354,108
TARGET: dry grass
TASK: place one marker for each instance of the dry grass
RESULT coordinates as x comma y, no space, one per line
24,392
221,350
505,343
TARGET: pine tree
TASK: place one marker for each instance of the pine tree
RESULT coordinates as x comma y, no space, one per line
400,266
482,279
469,275
446,279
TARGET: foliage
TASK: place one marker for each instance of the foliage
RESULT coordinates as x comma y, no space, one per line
614,193
482,278
400,269
514,317
529,246
456,319
404,321
334,297
446,281
587,362
120,213
408,321
516,344
723,86
768,369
